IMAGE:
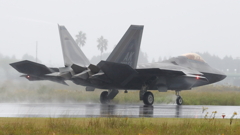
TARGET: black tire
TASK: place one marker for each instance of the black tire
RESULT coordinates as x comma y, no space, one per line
148,98
179,100
103,97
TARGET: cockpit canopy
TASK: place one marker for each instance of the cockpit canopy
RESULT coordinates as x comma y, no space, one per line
193,56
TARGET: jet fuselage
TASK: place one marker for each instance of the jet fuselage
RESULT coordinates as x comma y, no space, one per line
178,73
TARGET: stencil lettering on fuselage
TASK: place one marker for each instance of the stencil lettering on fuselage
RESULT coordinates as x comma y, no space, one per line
129,57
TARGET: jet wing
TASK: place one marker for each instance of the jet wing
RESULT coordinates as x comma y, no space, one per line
32,68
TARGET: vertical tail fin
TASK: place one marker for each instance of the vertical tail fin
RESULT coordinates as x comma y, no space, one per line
72,54
127,49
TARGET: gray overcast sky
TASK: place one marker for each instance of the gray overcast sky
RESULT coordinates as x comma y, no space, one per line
171,27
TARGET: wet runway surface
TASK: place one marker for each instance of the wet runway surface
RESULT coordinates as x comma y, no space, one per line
98,110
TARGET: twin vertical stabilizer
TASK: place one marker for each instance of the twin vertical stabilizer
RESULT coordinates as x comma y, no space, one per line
72,54
127,49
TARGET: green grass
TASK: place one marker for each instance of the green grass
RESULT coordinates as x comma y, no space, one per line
211,98
117,126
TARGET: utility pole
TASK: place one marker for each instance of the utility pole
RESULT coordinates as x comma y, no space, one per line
36,50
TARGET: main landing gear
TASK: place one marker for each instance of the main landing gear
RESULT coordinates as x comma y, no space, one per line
107,96
146,96
179,99
103,97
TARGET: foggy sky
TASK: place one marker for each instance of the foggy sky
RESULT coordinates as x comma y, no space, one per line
171,28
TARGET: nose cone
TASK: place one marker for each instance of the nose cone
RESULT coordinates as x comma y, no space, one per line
223,76
217,76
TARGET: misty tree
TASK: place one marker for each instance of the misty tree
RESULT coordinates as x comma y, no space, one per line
5,69
28,57
164,58
153,60
159,59
102,44
143,57
95,59
81,38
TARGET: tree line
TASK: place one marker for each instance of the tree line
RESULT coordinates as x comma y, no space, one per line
102,42
227,64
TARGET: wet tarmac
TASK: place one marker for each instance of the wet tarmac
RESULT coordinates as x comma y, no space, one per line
98,110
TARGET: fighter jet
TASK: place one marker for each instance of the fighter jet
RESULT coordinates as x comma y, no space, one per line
119,71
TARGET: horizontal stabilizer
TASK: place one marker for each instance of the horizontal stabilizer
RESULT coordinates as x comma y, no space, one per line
119,73
32,68
49,78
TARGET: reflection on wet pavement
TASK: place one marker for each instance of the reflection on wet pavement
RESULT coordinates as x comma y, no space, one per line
146,111
126,110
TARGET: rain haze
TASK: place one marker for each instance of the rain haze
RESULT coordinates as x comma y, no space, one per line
171,28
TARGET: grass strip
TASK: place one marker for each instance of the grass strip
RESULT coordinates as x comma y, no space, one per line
117,126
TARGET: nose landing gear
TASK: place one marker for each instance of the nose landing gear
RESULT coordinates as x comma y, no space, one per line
179,99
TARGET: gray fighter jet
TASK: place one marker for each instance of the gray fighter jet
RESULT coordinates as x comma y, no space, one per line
119,71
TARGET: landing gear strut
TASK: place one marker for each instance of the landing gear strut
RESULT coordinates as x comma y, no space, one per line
107,96
179,99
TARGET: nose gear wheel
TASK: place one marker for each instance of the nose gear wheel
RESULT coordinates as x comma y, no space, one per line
179,100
